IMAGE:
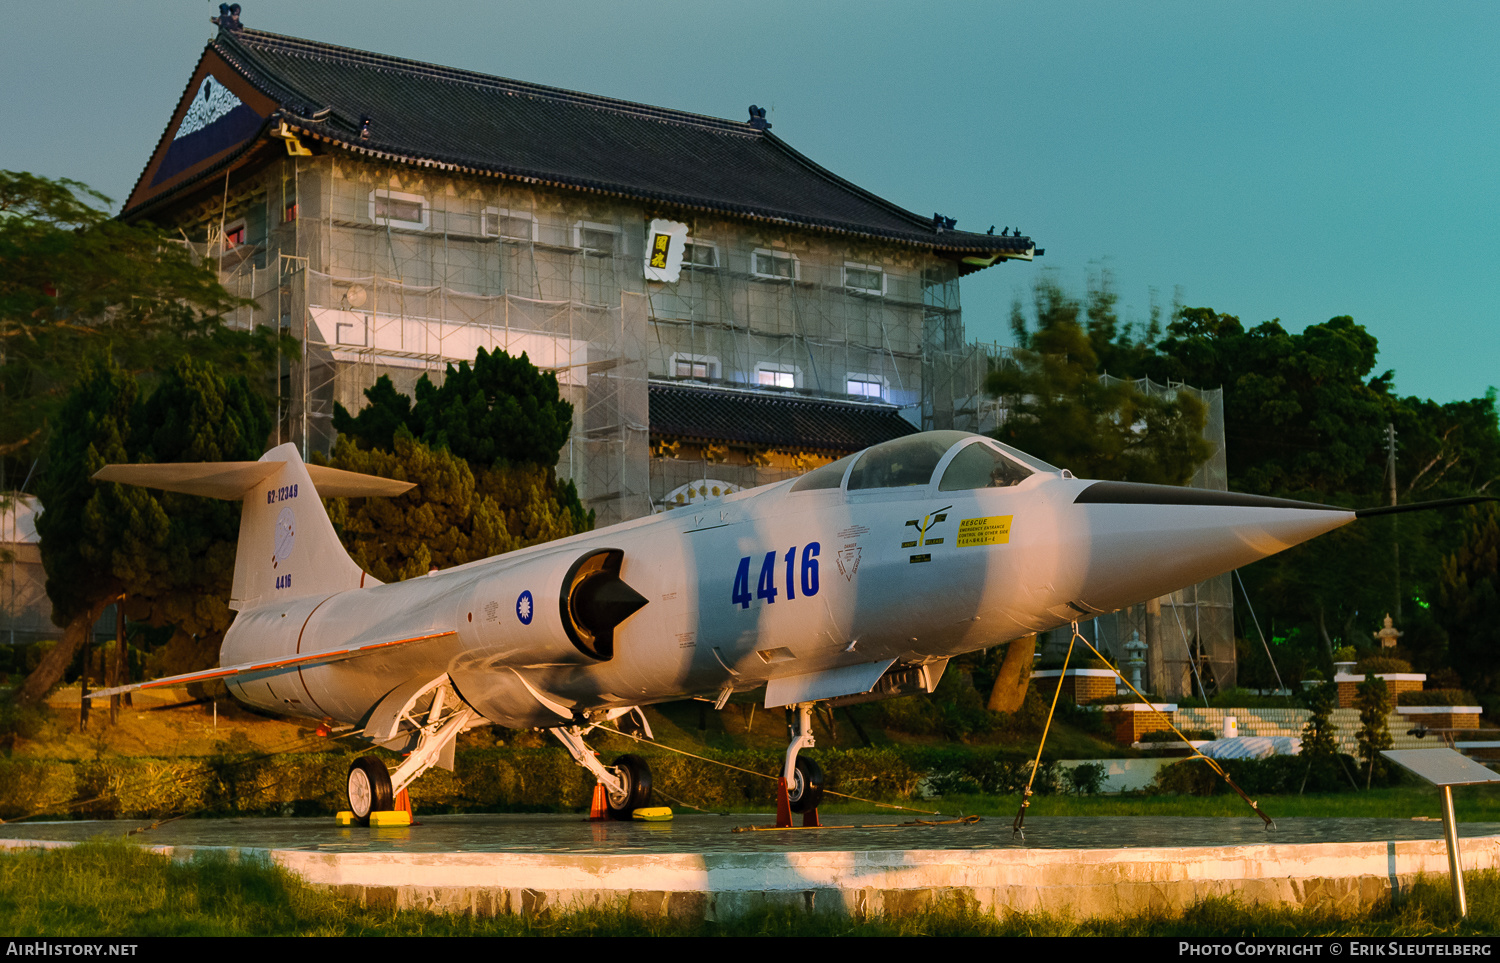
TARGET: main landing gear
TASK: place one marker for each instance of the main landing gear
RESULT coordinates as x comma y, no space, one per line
626,783
800,788
432,712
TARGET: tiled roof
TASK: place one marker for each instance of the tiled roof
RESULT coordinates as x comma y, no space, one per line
768,419
438,116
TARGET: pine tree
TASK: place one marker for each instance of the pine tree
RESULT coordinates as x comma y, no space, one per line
482,448
450,518
171,557
1373,700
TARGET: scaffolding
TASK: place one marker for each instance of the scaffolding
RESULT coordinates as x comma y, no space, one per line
1189,634
384,270
792,311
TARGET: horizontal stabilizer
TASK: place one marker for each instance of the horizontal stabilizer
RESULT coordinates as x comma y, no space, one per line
337,483
214,479
234,479
273,665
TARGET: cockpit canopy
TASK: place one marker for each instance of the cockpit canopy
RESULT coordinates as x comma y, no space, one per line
978,462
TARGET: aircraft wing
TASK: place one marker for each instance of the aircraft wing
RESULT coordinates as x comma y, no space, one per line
244,668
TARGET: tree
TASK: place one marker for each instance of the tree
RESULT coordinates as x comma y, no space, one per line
1469,602
498,414
78,516
1305,417
501,413
502,410
1373,700
482,449
1301,414
170,557
1318,745
195,414
449,518
1060,409
73,280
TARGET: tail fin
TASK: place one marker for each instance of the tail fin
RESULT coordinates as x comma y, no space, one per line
287,545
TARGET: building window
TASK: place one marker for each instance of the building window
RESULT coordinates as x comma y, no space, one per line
862,387
774,264
698,366
776,375
395,209
700,254
600,239
234,235
866,278
510,225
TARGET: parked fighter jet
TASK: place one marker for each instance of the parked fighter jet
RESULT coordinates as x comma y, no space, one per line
858,580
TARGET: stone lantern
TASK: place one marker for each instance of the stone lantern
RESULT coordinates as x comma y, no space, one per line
1388,634
1135,658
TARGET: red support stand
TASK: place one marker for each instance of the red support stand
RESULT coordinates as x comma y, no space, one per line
599,807
810,820
783,805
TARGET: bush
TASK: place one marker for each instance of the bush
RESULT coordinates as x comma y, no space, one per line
1437,697
1167,735
1378,664
1073,663
1085,779
1273,775
234,782
1245,699
1130,700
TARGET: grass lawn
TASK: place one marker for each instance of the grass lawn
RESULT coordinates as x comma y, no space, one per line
120,890
1470,803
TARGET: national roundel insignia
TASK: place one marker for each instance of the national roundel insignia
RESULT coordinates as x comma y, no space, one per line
524,608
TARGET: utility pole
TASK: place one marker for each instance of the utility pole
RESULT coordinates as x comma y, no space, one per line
1390,472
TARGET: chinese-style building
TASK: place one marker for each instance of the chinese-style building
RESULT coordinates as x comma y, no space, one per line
720,310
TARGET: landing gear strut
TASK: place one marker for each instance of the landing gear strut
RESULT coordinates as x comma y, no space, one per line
627,784
800,788
432,712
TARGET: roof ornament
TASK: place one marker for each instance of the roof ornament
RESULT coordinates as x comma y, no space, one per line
364,127
228,18
941,223
758,118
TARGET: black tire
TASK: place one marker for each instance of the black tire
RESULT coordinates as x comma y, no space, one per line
637,795
369,788
806,790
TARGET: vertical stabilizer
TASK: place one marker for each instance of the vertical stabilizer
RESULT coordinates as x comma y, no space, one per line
287,546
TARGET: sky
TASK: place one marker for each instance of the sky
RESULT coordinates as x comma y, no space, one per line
1269,160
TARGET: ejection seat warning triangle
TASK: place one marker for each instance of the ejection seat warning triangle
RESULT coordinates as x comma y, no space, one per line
994,530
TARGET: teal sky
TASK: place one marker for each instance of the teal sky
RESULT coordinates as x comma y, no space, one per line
1266,159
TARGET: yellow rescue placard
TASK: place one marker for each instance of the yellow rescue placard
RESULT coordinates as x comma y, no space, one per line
994,530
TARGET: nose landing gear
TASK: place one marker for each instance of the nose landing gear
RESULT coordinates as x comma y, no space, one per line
800,788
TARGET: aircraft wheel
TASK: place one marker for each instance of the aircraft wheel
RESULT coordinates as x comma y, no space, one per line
806,790
637,794
369,788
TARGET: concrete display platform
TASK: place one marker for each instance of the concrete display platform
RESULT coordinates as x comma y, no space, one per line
695,865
